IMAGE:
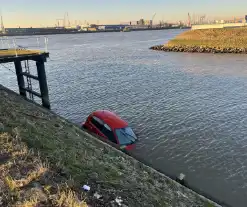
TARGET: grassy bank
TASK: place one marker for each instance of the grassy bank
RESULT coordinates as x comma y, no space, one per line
230,40
222,38
45,160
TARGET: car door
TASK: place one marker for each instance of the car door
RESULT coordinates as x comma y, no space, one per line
108,132
97,125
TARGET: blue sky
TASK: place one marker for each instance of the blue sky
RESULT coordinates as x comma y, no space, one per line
41,13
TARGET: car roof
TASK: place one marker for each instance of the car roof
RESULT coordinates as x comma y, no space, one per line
110,118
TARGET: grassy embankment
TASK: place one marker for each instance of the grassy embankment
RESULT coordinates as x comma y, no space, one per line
45,160
228,40
223,38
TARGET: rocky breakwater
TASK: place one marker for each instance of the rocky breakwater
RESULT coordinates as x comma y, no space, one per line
199,49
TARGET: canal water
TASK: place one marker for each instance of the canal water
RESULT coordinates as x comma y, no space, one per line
189,110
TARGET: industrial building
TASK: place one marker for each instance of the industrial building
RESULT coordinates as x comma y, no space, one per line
40,31
111,27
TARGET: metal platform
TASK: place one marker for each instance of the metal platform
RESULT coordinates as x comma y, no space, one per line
17,56
11,55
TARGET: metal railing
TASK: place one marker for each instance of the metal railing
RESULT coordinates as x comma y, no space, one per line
24,43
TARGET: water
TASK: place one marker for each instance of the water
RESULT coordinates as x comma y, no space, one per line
189,110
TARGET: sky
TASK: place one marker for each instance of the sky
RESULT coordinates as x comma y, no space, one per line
27,13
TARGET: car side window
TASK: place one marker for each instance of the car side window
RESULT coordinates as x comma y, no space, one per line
106,130
97,123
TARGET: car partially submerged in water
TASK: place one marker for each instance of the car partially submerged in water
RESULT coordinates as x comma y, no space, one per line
111,127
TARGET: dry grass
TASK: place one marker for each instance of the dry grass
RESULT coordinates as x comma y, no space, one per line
28,203
26,181
12,52
68,198
221,38
46,160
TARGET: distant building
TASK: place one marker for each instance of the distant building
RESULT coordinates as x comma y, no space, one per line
29,31
93,26
2,29
92,29
102,27
111,27
141,22
148,22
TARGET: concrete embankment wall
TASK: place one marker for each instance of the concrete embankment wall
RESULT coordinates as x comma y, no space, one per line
218,26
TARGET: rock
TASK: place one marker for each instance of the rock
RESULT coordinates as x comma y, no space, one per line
198,49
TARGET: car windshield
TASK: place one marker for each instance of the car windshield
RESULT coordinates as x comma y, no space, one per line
126,136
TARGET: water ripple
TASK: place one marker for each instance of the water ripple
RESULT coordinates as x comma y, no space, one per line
189,110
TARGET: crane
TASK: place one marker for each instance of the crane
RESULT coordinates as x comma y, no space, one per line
202,19
189,20
66,22
2,29
58,22
68,19
153,19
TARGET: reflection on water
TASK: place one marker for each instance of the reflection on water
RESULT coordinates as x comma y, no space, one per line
188,109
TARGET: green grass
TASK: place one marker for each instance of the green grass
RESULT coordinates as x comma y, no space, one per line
62,158
207,204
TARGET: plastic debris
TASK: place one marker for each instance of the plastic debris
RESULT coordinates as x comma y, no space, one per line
180,179
181,194
181,176
86,187
119,201
98,196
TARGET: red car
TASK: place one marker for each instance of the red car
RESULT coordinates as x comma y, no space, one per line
109,126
